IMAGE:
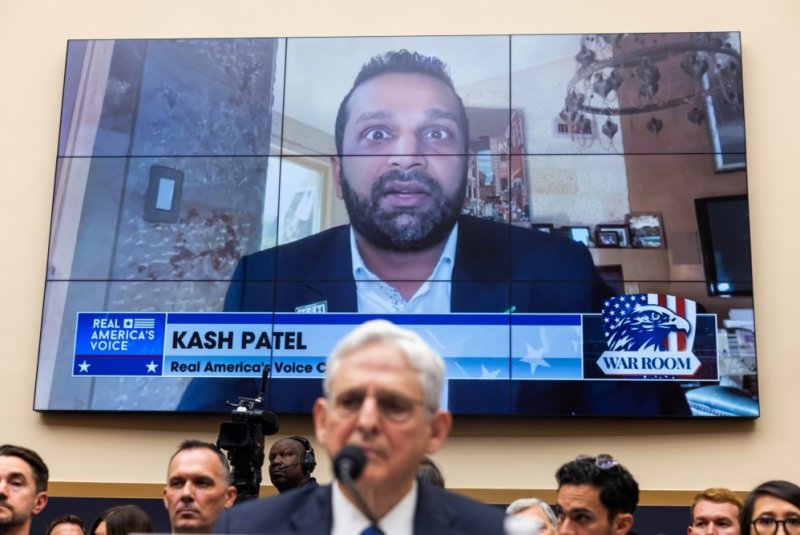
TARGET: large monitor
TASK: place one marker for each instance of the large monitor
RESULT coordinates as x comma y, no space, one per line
525,202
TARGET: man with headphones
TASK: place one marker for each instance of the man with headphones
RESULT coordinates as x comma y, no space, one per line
291,461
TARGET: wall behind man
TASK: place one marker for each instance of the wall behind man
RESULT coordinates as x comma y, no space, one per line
483,454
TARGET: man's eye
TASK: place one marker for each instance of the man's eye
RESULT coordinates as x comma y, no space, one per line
176,483
376,134
437,133
699,523
793,522
350,402
393,406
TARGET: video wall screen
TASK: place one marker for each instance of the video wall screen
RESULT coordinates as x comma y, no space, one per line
525,202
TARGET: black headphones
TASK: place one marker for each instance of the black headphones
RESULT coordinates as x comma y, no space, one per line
309,461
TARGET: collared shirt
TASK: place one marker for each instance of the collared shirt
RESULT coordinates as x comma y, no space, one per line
349,520
378,297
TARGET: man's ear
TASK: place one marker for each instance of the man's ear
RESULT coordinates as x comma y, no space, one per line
39,502
336,165
319,413
230,496
441,423
623,523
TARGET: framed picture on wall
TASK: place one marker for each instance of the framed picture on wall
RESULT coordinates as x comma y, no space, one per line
620,230
646,229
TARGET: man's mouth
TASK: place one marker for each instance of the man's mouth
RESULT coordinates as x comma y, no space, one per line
183,513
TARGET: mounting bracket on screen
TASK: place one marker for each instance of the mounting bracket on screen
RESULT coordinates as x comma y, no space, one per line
243,438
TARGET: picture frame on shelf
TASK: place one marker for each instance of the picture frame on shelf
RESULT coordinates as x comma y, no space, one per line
620,229
646,230
542,227
607,238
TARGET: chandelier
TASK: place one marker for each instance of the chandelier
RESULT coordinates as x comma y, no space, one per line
632,74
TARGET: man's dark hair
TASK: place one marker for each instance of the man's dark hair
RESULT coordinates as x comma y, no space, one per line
401,62
65,519
619,492
40,472
783,490
194,444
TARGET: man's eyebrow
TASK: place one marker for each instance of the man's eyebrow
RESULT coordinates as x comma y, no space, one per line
372,115
439,113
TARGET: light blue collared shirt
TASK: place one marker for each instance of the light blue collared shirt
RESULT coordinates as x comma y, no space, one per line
378,297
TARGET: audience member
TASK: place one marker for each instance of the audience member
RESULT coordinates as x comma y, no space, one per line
429,472
538,510
770,506
23,488
291,462
382,389
65,525
715,511
122,520
199,487
596,496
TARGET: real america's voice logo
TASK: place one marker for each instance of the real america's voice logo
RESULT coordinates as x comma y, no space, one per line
649,335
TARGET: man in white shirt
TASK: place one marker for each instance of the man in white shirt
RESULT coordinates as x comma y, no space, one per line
382,390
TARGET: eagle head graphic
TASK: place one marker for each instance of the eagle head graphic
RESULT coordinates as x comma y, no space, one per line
645,328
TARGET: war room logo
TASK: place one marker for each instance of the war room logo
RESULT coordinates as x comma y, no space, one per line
649,335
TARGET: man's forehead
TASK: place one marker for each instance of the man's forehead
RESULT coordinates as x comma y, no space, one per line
708,508
11,464
286,444
196,460
427,92
580,496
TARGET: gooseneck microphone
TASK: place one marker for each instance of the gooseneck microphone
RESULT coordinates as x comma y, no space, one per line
347,466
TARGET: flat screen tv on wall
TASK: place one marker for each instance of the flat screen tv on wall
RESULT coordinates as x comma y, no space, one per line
524,202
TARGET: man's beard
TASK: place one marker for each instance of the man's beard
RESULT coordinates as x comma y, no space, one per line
403,229
14,521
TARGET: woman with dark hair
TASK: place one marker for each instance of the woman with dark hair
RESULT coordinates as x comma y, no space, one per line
772,505
122,520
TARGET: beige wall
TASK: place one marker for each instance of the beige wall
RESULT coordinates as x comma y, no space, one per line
484,453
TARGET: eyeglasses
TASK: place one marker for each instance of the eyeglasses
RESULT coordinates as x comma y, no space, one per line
602,461
766,525
394,407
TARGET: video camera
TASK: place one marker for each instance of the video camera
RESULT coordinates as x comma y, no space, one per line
243,438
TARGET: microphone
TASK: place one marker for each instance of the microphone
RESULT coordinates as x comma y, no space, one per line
347,466
285,466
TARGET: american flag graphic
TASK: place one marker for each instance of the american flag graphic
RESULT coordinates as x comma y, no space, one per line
649,322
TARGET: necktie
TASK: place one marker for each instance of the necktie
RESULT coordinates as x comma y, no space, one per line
372,530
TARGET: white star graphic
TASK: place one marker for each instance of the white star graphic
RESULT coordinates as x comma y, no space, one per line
84,367
534,358
486,374
151,367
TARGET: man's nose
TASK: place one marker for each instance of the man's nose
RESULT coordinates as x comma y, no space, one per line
368,415
187,491
407,153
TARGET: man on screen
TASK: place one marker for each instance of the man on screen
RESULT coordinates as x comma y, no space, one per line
402,142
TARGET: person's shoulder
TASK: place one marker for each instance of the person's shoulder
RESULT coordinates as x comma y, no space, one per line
522,238
323,250
468,515
271,513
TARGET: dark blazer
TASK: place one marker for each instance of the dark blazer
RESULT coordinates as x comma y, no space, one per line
497,266
308,512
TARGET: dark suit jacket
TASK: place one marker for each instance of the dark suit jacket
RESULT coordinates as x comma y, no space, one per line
308,512
497,266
